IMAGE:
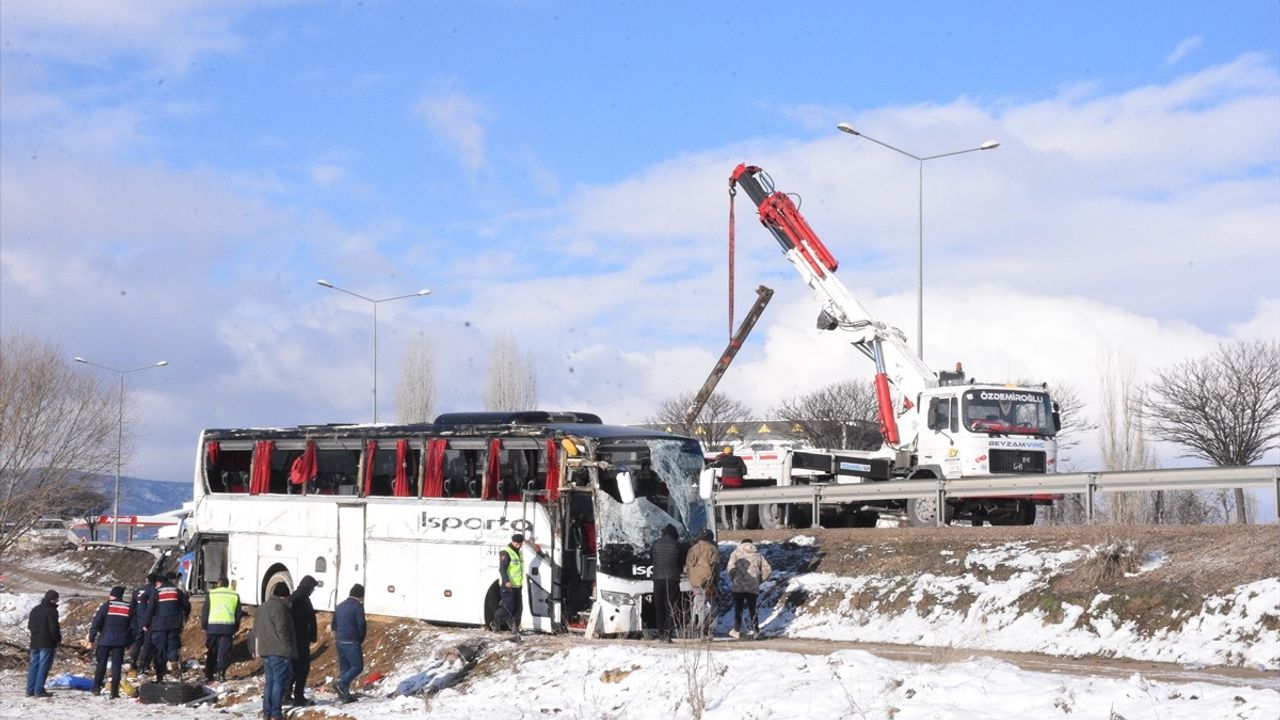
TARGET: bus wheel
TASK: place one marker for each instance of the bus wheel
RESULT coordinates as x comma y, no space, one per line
775,516
923,512
279,576
491,602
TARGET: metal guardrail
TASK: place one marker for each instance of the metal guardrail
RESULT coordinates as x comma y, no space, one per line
1087,484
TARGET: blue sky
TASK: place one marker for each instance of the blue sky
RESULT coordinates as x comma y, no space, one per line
175,176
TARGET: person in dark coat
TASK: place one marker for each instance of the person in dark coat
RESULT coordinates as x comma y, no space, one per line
140,608
273,640
46,635
112,628
733,470
304,633
667,564
349,630
166,616
220,620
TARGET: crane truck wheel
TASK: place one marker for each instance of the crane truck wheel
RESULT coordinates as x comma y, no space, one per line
923,512
776,516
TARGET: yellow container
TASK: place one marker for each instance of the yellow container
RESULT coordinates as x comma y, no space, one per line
127,688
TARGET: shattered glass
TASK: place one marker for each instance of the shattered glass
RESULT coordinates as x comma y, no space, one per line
639,523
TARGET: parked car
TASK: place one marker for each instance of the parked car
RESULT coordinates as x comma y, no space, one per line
51,531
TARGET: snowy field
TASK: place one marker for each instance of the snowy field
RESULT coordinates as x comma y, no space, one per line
688,681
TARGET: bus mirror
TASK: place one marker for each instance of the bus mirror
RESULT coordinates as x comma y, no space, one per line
570,448
626,490
706,482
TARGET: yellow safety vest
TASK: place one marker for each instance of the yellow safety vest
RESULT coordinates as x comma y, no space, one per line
222,606
515,568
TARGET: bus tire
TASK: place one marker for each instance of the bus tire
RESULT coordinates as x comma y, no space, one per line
491,601
278,576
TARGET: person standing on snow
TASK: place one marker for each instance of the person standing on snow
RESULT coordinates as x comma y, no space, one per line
111,626
273,642
304,633
510,586
747,569
703,568
732,471
349,630
46,635
665,554
220,620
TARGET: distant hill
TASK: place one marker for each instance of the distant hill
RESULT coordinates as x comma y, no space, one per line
139,496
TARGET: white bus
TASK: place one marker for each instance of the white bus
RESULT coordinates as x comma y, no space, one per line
419,513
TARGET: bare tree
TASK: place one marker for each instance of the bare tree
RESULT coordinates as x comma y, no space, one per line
1224,408
841,415
86,502
713,424
416,395
1122,436
511,383
57,428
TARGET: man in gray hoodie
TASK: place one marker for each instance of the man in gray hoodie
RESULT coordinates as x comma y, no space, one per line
274,643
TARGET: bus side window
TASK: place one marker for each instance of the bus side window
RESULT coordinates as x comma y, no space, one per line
338,471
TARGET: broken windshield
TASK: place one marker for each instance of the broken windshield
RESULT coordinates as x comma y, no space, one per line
665,475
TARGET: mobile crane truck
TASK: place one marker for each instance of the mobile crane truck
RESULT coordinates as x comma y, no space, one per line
933,425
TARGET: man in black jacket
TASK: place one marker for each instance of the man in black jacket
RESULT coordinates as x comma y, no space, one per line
46,635
140,607
667,564
111,627
166,616
304,633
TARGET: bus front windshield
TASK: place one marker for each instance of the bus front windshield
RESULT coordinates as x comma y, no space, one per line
665,475
1011,412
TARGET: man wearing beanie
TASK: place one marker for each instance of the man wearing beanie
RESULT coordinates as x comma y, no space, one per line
273,640
349,630
111,627
46,634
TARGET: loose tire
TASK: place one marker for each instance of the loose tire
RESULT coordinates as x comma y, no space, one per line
1021,513
169,693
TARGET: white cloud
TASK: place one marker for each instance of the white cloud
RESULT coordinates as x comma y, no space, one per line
1185,48
459,121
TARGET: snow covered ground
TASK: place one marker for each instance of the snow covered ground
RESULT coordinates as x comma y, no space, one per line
974,597
688,681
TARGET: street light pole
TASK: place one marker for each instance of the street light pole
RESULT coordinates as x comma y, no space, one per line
115,508
920,161
375,303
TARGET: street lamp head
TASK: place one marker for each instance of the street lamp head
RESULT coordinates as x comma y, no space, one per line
846,127
424,291
81,360
324,283
989,145
162,363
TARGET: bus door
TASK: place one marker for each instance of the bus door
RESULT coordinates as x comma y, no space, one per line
350,547
540,577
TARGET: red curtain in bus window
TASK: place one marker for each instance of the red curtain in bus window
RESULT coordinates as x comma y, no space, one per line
401,488
370,449
553,471
493,471
260,480
435,468
215,450
305,467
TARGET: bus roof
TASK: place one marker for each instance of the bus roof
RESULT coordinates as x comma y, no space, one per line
458,424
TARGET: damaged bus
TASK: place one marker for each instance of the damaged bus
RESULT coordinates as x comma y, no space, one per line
419,513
